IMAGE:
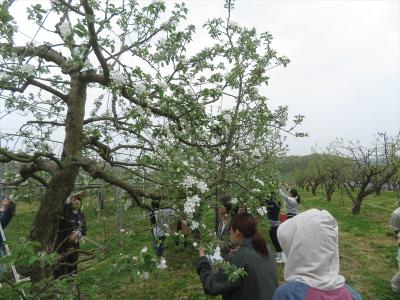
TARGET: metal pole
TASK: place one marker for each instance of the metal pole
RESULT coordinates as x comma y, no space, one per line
14,270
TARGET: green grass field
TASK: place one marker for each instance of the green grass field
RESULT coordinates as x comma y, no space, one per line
367,251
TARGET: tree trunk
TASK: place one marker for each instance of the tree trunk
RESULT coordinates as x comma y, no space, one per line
378,191
329,193
356,209
45,225
314,189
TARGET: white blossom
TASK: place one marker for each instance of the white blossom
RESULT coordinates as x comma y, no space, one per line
144,250
145,275
140,88
27,69
203,78
140,110
190,181
3,76
122,230
262,211
202,186
258,181
118,78
163,264
65,29
216,255
194,244
190,205
233,24
227,118
234,201
184,61
135,258
162,84
194,225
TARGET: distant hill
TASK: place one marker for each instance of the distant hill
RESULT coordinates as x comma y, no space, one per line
290,163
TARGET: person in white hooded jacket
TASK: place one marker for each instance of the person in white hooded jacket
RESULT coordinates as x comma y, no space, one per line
310,242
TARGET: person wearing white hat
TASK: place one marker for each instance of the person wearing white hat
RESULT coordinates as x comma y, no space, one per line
310,242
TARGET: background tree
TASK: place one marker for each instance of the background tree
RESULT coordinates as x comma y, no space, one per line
374,164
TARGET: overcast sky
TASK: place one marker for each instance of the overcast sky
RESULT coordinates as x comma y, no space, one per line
344,74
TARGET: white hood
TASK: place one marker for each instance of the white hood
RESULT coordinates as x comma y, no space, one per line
310,242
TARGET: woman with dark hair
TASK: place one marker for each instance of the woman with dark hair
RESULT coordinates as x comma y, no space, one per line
71,229
260,281
292,202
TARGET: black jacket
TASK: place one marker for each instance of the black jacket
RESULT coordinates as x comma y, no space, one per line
69,222
273,209
260,282
5,217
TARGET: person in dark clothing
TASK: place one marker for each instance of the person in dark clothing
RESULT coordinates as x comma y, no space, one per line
261,279
71,229
273,211
223,230
7,210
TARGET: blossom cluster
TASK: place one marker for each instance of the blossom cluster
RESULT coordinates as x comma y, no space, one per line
65,29
258,181
27,69
118,78
227,118
140,88
163,85
163,264
190,181
262,211
190,205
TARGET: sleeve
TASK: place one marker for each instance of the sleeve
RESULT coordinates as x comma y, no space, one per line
6,217
215,283
289,200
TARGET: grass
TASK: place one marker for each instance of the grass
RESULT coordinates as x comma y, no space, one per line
367,250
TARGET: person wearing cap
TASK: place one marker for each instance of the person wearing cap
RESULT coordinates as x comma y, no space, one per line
310,241
71,229
7,210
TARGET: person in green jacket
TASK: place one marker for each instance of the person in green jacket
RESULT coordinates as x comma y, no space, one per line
260,281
